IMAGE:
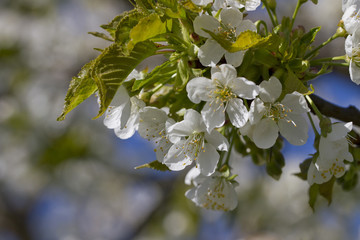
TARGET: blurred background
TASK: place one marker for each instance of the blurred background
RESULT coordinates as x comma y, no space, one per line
74,180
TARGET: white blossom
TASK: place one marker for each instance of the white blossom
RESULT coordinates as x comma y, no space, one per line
221,94
231,24
249,5
333,150
196,144
152,126
352,48
213,192
348,3
351,19
202,2
124,117
268,117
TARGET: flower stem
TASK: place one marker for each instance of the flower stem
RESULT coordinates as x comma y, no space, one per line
270,14
298,5
233,132
313,125
313,106
307,56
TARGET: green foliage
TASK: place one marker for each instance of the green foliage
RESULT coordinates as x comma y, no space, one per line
81,87
113,66
156,165
148,27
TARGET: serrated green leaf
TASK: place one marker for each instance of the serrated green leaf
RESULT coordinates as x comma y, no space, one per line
81,87
101,35
127,22
113,66
158,75
156,165
113,25
148,27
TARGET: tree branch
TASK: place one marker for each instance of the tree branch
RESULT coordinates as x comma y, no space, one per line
348,114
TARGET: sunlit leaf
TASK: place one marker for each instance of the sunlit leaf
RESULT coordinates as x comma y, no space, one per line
148,27
127,22
101,35
158,75
81,87
113,66
156,165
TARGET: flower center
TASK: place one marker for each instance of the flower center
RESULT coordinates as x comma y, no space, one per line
356,55
193,145
227,31
277,111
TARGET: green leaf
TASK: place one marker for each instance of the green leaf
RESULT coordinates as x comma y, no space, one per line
148,27
81,87
158,75
350,179
315,1
309,37
101,35
189,5
313,194
113,66
304,168
156,165
292,83
245,40
182,73
274,165
326,189
127,22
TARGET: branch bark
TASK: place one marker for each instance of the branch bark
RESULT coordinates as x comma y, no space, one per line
348,114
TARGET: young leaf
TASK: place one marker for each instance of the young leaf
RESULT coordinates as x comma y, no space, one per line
292,83
304,168
148,27
101,35
156,165
182,73
326,189
81,87
158,75
113,66
244,41
313,194
127,22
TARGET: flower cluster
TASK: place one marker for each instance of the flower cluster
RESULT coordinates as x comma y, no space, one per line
228,83
351,21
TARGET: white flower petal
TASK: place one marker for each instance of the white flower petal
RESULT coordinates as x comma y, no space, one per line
237,112
235,58
213,115
296,102
176,160
210,53
208,159
315,176
231,17
339,130
244,88
205,22
192,122
245,25
257,111
191,175
199,89
354,71
217,140
295,130
265,133
152,123
216,194
270,90
251,5
202,2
